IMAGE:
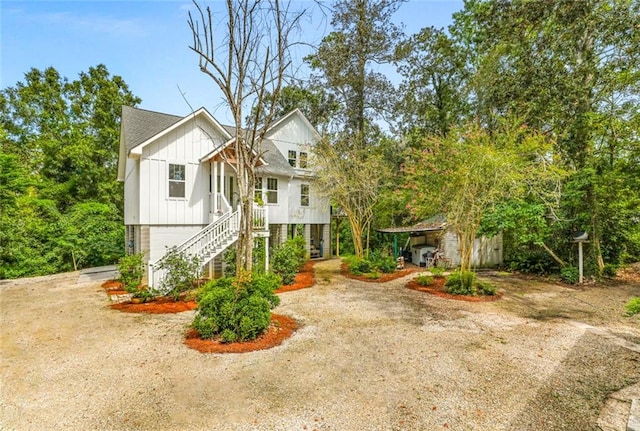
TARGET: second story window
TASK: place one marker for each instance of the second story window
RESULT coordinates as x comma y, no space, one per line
177,182
304,195
293,159
303,160
272,190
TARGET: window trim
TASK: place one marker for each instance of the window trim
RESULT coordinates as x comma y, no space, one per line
293,161
272,192
303,161
173,180
306,195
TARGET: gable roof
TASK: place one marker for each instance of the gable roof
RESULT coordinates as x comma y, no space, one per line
138,125
298,113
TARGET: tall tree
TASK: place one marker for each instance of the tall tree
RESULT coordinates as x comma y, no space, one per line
364,37
259,36
570,68
470,171
433,90
59,151
346,64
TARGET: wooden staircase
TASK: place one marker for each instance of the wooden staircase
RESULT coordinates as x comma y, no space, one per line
210,242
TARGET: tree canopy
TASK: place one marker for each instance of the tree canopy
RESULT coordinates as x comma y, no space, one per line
61,204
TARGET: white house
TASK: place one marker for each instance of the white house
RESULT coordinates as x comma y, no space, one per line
180,186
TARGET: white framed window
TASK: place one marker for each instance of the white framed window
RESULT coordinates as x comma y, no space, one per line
304,195
293,158
303,160
257,192
272,190
177,180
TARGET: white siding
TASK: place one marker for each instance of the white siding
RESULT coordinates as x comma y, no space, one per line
184,145
132,193
293,135
161,237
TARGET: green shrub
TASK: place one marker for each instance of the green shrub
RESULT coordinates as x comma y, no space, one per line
610,270
424,280
437,271
374,275
181,270
633,306
131,269
461,283
382,261
485,288
237,309
287,259
569,274
360,266
229,261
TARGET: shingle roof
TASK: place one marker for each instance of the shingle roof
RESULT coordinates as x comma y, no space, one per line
276,163
437,222
140,125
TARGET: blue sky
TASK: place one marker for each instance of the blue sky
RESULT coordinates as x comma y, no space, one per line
145,42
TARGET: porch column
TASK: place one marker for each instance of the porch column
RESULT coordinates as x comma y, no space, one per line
326,241
214,186
221,178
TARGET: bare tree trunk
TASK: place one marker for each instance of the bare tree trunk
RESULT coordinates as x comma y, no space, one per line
256,59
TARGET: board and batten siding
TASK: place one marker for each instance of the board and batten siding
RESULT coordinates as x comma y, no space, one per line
161,237
292,135
318,211
487,252
185,146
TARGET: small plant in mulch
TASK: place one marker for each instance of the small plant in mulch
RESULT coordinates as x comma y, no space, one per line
238,308
463,287
304,279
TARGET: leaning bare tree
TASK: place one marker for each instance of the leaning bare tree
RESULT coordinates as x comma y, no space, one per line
248,64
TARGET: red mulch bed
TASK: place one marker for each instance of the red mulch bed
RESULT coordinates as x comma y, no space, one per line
437,289
161,305
281,328
344,270
304,279
113,287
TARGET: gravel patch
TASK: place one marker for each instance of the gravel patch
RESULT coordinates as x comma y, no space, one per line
368,356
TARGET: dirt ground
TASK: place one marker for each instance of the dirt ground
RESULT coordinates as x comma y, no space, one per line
367,357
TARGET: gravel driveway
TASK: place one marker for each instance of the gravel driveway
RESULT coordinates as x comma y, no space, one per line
367,357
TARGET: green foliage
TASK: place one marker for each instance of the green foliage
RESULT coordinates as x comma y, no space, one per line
93,234
485,288
633,306
461,283
526,261
59,142
287,259
131,269
181,271
229,261
610,270
376,263
569,274
237,309
424,280
360,266
382,262
437,271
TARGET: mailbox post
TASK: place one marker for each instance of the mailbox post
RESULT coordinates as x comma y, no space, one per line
580,238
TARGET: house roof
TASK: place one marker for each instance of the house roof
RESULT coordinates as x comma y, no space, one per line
140,125
437,222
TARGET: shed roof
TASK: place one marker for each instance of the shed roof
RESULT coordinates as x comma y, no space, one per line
437,222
